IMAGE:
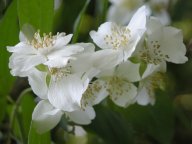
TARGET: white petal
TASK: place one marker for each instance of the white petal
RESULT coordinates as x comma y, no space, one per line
66,93
65,51
98,37
57,62
123,95
96,92
83,117
62,40
45,116
107,59
23,63
129,71
22,48
88,47
173,45
37,81
22,37
138,20
143,97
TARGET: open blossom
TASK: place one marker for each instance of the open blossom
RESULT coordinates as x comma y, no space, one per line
119,39
65,85
48,50
161,44
115,83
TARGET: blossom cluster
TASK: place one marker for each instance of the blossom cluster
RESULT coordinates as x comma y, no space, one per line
70,79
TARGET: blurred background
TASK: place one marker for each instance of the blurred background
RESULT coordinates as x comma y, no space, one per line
169,121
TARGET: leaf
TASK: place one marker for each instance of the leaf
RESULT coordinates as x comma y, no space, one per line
9,33
37,13
142,68
134,60
156,121
111,126
79,21
35,138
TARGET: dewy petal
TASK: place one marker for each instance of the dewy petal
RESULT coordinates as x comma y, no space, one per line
37,81
173,45
123,93
83,117
138,20
45,116
98,37
143,97
65,93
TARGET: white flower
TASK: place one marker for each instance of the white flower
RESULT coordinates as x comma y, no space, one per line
121,40
64,86
45,116
148,87
121,11
117,83
48,50
161,44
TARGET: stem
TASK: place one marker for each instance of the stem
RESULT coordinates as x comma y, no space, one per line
15,114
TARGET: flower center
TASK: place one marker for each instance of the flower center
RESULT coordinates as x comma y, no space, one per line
119,37
42,42
61,72
152,53
117,87
89,95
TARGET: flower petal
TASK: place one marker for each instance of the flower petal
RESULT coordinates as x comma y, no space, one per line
37,81
21,63
138,20
83,117
62,40
123,94
99,36
173,45
66,93
129,71
143,97
45,116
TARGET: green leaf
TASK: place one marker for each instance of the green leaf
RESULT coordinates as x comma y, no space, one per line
156,121
142,68
111,126
78,22
134,60
35,138
9,32
37,13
